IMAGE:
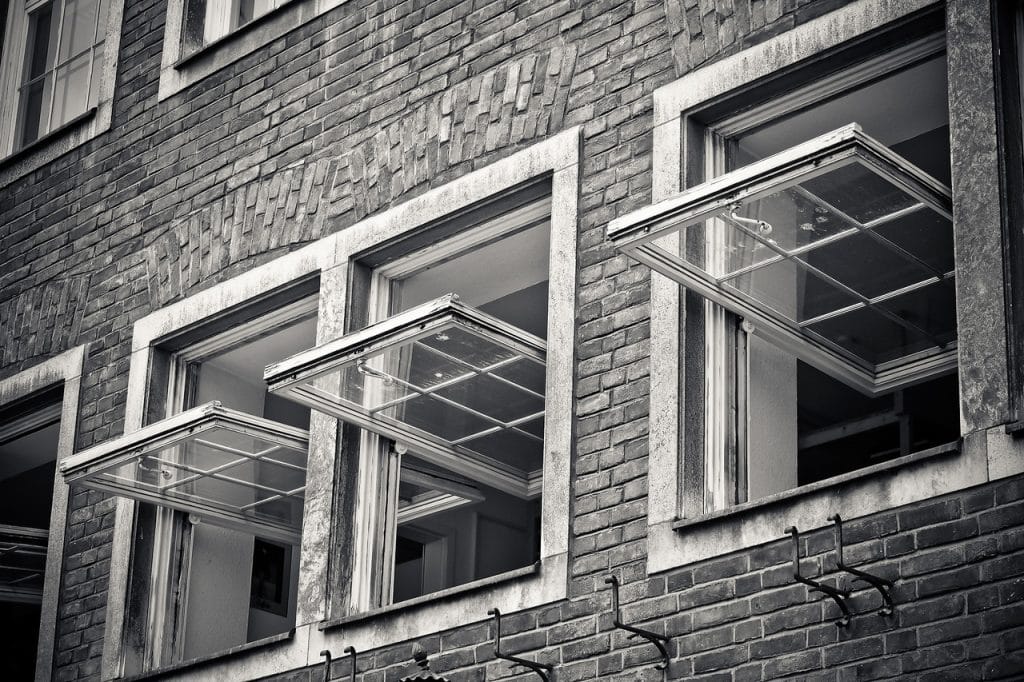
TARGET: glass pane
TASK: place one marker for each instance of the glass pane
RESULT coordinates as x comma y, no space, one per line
468,347
932,308
192,26
924,233
515,448
493,533
872,336
866,265
792,291
524,372
41,42
72,90
79,27
246,477
446,421
858,192
493,398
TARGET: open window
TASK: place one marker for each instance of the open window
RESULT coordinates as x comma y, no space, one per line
447,382
220,479
815,243
29,436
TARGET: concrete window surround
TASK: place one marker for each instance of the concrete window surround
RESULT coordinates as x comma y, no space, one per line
178,71
14,164
330,257
66,370
987,453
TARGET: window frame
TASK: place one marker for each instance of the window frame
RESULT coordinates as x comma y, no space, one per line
679,530
16,162
180,69
63,370
325,615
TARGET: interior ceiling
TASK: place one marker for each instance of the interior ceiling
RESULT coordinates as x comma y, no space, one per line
484,274
249,360
29,451
891,110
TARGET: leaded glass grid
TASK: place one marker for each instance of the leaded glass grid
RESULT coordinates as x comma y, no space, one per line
454,384
837,249
219,464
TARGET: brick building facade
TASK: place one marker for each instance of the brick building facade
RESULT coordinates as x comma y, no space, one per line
282,165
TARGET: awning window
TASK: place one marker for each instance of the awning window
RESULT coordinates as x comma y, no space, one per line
219,464
460,388
838,250
22,563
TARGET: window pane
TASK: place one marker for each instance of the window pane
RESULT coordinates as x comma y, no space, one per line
925,234
37,83
79,28
476,539
872,336
858,192
791,291
72,90
866,265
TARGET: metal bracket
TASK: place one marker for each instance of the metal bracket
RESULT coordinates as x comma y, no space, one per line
839,596
660,641
351,651
542,669
879,583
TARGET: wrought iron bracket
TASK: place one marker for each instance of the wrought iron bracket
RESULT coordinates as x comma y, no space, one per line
660,641
879,583
326,653
839,596
542,669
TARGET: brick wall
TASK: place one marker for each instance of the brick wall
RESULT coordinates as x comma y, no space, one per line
375,102
957,562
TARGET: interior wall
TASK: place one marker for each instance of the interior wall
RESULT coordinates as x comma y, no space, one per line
772,414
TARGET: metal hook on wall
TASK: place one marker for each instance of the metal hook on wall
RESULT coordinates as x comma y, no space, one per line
660,641
542,669
326,653
879,583
838,595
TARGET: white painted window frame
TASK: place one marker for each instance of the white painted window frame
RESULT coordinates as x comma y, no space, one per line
179,70
331,257
61,370
679,534
54,143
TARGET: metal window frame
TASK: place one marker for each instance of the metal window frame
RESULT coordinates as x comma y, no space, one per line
294,378
83,467
636,233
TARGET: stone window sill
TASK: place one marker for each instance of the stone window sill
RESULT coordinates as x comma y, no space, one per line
73,130
196,663
433,597
755,506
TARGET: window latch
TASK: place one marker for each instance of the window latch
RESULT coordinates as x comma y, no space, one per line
879,583
542,669
839,596
660,641
763,228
